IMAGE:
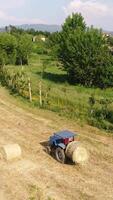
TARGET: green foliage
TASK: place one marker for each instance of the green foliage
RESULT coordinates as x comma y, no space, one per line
84,54
17,31
35,33
14,31
40,48
89,105
53,44
3,57
110,40
8,46
24,49
100,114
73,22
15,49
17,82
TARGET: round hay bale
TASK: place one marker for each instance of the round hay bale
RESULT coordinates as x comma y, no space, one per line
71,148
80,155
76,152
11,151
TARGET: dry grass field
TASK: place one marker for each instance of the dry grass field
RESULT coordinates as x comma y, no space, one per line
37,175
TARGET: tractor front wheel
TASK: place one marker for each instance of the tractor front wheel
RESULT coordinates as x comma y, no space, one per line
60,155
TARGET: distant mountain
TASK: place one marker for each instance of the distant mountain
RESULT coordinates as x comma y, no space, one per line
108,32
37,27
2,29
111,33
41,27
44,27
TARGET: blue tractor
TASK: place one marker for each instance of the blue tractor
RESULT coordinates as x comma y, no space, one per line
58,143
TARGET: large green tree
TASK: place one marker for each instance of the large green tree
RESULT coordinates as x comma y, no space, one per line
24,48
84,54
8,46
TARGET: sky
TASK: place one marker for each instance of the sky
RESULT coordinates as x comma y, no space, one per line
96,12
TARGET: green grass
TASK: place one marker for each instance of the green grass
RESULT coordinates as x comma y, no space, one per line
67,100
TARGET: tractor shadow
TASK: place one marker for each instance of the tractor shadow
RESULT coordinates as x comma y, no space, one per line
45,145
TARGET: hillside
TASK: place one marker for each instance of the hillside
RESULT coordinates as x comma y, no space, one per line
37,175
65,99
28,178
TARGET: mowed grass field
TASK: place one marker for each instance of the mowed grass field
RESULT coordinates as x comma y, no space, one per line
67,100
37,175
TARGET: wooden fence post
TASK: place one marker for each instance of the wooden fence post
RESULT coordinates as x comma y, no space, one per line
30,91
40,93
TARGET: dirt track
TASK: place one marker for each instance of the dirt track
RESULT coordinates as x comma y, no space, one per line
37,175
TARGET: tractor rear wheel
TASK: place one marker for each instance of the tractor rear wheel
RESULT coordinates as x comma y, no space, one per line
60,155
48,150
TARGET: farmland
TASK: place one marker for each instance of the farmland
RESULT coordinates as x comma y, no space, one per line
52,85
37,175
71,101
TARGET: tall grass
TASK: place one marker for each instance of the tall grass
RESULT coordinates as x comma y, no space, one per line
67,100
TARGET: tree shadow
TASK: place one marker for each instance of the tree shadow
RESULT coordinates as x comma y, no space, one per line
57,78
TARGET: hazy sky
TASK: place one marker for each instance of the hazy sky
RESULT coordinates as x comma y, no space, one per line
96,12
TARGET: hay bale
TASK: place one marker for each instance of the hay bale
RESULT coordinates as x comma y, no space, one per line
80,155
11,151
76,153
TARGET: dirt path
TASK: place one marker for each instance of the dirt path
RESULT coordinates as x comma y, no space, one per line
37,175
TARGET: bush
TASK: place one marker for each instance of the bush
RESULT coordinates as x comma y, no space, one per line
17,82
100,114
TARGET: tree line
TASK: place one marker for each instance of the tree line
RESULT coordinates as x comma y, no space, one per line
15,30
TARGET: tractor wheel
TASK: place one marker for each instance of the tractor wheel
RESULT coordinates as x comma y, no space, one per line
60,155
48,150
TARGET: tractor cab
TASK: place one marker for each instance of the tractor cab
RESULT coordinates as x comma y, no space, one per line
62,138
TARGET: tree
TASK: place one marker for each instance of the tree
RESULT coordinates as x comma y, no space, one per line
24,49
8,46
74,22
15,31
84,54
53,43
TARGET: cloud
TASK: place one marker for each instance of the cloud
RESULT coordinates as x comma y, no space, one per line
95,12
10,19
10,4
